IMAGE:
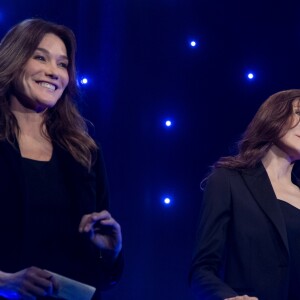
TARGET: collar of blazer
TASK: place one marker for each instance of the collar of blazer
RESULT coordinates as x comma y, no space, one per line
259,184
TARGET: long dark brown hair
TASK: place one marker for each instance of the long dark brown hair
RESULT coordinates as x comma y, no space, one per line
64,125
271,122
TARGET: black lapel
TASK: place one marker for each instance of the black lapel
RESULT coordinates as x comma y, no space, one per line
10,155
11,167
11,207
260,187
78,182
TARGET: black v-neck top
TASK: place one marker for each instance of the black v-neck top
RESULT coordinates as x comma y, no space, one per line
291,216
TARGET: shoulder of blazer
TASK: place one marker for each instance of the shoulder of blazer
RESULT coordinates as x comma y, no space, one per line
69,163
10,158
81,180
65,158
222,176
258,170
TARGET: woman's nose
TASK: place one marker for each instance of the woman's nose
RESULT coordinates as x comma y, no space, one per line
52,71
52,76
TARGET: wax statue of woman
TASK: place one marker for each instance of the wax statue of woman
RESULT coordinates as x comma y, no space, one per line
248,244
53,187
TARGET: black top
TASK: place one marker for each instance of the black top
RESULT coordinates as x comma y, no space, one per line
291,216
45,243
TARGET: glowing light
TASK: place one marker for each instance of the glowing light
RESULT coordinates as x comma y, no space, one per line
84,81
168,123
193,44
250,76
167,201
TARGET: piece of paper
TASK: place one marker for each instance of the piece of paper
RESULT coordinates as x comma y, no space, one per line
70,289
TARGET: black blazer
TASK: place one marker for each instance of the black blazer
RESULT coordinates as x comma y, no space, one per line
242,245
89,193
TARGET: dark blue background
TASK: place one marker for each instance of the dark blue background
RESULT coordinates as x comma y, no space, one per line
142,70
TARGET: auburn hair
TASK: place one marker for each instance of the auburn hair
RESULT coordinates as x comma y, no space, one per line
63,122
269,124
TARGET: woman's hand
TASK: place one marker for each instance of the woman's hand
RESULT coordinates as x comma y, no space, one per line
245,297
27,284
103,230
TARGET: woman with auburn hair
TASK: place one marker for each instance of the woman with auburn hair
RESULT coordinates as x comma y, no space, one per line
53,185
248,238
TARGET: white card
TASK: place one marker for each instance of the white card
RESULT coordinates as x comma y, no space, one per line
71,289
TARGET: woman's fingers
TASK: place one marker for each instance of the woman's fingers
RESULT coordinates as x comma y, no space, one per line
87,221
30,283
104,231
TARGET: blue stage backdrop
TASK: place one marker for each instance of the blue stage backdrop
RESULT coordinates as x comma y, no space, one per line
169,85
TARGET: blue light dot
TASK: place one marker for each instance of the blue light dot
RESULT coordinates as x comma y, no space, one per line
167,201
250,75
193,43
84,81
168,123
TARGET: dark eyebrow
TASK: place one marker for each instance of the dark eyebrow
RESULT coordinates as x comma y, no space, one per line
47,52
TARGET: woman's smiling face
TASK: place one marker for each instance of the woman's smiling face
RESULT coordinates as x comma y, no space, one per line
44,76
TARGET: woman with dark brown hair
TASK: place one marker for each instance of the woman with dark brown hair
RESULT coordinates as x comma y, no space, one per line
53,186
248,238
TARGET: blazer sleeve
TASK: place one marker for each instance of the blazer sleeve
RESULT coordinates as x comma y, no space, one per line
102,187
109,271
205,274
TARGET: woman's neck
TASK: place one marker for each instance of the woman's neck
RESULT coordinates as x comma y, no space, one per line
30,122
278,165
32,138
